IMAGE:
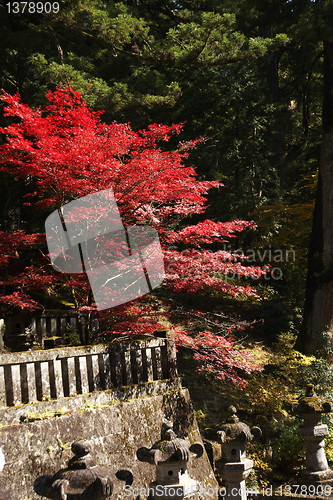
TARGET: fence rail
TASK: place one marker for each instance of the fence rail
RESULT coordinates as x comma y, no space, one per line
39,375
50,323
21,330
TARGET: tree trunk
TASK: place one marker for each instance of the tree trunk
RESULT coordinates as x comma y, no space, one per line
318,311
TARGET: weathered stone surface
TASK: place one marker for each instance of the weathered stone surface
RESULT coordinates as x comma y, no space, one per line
18,333
18,414
116,431
320,430
170,456
311,403
233,465
81,479
313,432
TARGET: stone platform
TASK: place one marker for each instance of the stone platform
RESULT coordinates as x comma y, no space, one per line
117,423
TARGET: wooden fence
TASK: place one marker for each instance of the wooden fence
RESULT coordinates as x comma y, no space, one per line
39,375
21,330
54,323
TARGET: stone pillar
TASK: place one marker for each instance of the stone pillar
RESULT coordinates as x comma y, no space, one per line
313,433
233,466
170,456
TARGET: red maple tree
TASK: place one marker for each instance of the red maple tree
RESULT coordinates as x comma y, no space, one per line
66,152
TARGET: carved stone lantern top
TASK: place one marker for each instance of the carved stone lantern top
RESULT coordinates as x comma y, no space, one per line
234,430
81,479
169,448
311,403
170,455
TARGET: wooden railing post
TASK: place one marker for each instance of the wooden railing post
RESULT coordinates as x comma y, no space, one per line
172,359
2,331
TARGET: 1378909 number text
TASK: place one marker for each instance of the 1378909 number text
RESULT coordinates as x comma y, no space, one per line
33,7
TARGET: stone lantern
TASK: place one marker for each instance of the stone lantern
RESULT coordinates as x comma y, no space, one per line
18,335
81,479
310,407
170,455
234,466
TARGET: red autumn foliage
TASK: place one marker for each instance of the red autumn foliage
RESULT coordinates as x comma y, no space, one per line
67,152
218,355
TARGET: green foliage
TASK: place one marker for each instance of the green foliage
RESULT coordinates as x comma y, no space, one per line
277,317
93,406
94,90
286,229
320,374
63,447
71,336
266,399
262,469
327,419
288,450
44,415
319,370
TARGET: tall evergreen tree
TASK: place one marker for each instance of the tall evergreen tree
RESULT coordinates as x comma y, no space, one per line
318,312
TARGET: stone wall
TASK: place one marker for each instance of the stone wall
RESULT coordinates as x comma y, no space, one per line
117,422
